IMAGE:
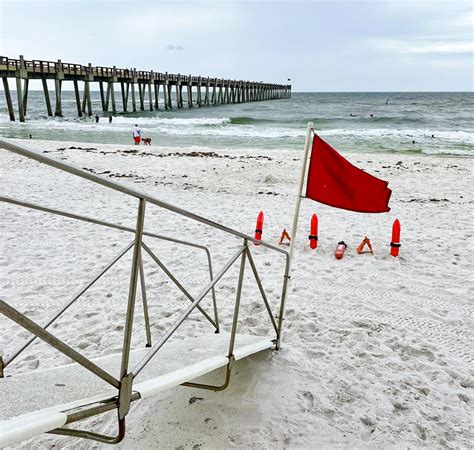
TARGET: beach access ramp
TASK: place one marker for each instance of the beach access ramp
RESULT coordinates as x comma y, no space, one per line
48,400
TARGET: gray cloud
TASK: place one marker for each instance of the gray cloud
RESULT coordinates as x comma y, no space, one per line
174,48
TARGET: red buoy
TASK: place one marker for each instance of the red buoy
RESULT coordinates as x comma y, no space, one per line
313,236
259,226
341,248
395,244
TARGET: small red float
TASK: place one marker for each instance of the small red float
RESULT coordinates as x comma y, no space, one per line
259,226
395,244
313,237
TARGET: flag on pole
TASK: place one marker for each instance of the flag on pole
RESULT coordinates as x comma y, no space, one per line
334,181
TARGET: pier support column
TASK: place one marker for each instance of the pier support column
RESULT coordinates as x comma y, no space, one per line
46,97
58,82
112,96
134,104
150,100
57,86
213,96
170,105
206,97
107,98
76,94
102,98
190,93
84,99
19,94
21,74
25,95
141,88
124,96
199,93
178,93
8,98
157,95
87,98
165,93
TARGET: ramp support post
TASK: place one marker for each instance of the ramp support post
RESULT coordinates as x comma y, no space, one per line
211,387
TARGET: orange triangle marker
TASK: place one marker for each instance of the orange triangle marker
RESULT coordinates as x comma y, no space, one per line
284,235
365,242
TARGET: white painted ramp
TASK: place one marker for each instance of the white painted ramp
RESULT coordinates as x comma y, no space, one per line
35,402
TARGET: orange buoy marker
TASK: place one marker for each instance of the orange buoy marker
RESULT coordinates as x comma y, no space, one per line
395,244
313,237
284,235
365,242
341,248
259,227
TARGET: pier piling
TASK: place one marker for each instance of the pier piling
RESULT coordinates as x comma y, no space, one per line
8,98
76,94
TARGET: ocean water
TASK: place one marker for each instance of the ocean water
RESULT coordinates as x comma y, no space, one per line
428,123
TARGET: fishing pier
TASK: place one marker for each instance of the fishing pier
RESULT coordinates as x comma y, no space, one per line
150,87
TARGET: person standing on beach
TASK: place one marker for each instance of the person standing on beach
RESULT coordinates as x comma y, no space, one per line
136,133
97,118
110,119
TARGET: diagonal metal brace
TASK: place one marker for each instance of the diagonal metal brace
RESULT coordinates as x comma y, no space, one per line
56,343
178,284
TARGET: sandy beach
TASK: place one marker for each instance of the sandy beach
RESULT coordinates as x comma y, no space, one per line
377,350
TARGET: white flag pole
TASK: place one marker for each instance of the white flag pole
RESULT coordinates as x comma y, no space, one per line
294,227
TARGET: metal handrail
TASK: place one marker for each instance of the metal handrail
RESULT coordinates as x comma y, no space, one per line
125,382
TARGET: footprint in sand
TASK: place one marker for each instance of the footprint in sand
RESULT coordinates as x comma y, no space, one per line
307,400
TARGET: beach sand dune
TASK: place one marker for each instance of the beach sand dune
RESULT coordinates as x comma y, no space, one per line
377,350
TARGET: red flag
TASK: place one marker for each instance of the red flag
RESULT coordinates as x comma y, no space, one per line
336,182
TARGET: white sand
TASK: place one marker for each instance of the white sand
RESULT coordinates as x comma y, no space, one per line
377,349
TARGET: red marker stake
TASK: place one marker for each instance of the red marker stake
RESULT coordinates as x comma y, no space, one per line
341,248
395,244
313,237
259,226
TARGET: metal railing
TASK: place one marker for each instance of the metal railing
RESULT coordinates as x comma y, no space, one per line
125,382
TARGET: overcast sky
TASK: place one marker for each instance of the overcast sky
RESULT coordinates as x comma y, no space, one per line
381,45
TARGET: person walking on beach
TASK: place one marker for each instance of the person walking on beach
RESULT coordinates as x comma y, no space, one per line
110,119
136,133
97,118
